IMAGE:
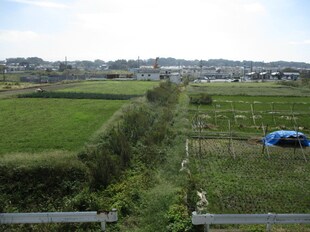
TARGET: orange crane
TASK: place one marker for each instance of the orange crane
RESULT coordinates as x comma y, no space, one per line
155,66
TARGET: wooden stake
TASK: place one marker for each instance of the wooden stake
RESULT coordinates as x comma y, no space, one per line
253,116
230,148
215,115
234,113
272,111
265,133
302,150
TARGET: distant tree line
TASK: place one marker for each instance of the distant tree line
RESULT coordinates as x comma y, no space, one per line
122,64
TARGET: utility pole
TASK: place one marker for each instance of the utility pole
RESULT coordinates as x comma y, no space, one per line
66,67
200,65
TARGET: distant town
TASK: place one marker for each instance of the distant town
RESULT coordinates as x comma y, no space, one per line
35,69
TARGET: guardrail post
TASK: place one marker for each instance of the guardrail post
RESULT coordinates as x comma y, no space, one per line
268,226
206,228
102,226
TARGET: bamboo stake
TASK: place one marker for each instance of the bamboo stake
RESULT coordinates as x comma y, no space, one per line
234,113
302,150
215,115
253,116
273,116
264,146
230,148
292,113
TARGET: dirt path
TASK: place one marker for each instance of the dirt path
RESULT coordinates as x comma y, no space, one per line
52,87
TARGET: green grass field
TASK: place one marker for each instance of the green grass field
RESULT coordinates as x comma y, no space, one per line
113,87
36,125
249,89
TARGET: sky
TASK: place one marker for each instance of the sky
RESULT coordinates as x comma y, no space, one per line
258,30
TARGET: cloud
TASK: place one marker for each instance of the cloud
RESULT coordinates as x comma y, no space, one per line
304,42
254,7
13,36
46,4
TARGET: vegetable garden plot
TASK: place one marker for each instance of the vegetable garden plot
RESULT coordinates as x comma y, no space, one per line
250,182
248,116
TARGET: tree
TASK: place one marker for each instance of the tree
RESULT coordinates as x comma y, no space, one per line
119,65
2,70
305,78
290,70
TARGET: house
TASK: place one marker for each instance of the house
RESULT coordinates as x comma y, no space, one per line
291,75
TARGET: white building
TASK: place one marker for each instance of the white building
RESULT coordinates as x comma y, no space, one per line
175,78
148,74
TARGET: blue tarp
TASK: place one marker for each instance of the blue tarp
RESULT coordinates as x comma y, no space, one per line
283,137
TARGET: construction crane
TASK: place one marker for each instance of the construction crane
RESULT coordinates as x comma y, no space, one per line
155,66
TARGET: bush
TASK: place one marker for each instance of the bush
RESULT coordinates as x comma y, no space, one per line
201,99
290,83
166,93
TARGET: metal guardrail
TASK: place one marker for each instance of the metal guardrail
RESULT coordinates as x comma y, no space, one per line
268,219
59,217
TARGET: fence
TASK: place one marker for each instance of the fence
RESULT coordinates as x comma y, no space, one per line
59,217
268,219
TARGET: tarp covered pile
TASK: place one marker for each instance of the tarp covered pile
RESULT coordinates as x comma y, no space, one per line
286,137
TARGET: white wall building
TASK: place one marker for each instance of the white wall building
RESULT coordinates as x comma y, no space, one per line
175,78
148,74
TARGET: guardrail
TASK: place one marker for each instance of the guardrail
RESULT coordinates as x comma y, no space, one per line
59,217
268,219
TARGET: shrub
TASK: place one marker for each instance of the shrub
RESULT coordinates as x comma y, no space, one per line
178,219
290,83
166,93
201,99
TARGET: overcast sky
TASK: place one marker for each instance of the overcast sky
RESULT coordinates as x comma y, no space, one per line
259,30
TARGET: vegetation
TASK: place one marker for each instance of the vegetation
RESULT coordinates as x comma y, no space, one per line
248,114
122,64
73,95
113,87
134,162
241,176
248,89
35,125
201,99
120,170
251,182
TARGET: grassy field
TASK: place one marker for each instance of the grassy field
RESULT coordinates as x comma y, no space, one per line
35,125
249,89
113,87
